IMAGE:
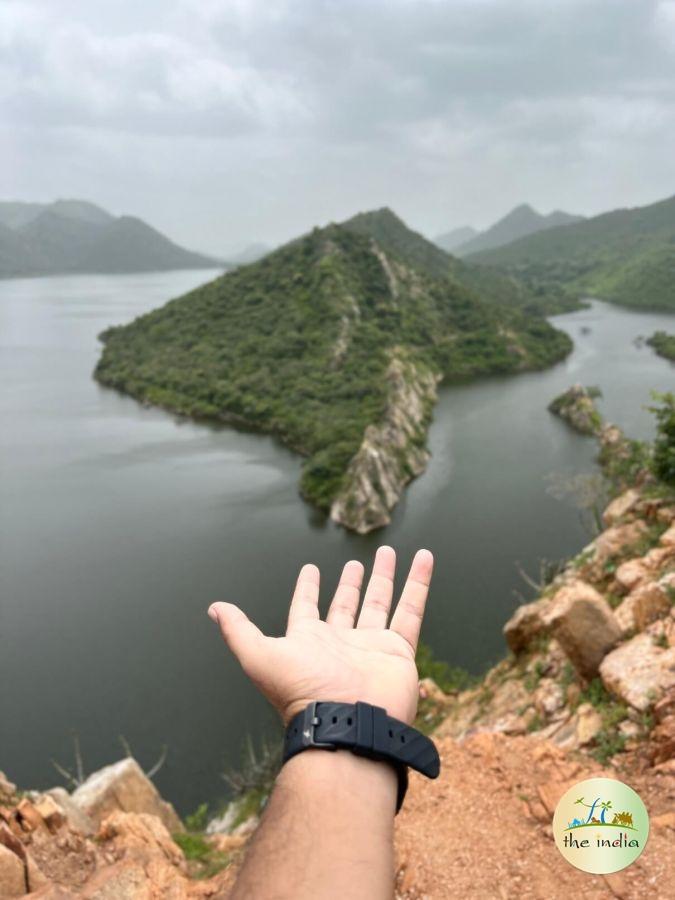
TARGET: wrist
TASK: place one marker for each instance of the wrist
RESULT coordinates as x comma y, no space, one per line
345,781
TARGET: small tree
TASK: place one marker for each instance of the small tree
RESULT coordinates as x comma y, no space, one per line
664,443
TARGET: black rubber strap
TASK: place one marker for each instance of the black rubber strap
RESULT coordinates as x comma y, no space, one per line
367,731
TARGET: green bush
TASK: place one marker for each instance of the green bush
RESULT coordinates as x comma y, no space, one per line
664,444
448,678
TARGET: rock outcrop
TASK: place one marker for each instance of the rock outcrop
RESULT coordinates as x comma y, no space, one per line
577,615
576,406
124,787
132,856
640,671
392,452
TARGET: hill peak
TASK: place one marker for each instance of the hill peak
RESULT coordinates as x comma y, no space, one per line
521,221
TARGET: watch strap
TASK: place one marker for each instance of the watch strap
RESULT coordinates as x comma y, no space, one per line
365,730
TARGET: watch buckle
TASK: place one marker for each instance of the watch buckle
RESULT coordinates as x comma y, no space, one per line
309,724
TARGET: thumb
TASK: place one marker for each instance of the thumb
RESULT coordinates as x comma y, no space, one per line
240,634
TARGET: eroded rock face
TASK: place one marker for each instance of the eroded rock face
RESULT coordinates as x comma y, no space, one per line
123,787
639,671
391,453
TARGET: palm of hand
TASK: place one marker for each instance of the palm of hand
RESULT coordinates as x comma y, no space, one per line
317,661
337,659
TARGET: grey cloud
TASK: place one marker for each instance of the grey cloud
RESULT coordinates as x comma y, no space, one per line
229,120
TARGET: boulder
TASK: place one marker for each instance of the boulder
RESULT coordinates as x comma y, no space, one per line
584,626
49,811
668,537
665,514
617,538
642,606
123,787
620,506
631,573
28,816
658,557
524,625
639,672
12,874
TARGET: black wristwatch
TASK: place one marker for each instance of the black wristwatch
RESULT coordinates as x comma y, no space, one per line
367,731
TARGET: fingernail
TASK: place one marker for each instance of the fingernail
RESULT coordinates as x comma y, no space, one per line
212,614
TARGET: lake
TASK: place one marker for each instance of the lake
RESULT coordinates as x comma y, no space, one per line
119,525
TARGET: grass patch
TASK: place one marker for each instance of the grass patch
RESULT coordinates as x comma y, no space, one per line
608,741
203,860
450,679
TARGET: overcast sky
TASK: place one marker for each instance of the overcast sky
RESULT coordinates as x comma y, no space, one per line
228,121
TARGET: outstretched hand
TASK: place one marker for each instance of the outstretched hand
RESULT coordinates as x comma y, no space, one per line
343,659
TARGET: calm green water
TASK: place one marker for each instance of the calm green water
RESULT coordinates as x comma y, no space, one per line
119,525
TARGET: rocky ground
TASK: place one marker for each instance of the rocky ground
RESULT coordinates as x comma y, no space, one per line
587,689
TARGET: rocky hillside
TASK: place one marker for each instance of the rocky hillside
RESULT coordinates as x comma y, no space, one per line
588,689
335,343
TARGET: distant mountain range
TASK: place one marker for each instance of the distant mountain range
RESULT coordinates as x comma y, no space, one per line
521,221
626,256
334,342
74,236
451,240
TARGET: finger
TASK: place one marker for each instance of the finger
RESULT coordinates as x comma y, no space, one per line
305,602
409,612
376,603
240,634
346,600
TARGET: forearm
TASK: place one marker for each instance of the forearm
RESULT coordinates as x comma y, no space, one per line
327,832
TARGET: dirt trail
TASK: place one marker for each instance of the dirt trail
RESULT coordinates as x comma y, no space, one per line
483,830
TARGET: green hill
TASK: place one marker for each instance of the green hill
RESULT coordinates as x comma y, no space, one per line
335,344
77,236
626,256
503,289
